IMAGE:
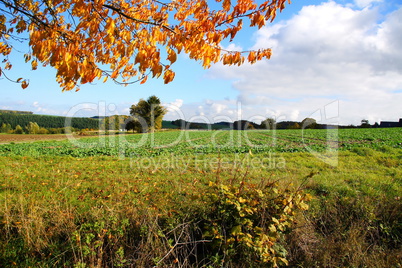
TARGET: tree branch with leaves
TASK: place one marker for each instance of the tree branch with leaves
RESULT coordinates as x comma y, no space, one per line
124,40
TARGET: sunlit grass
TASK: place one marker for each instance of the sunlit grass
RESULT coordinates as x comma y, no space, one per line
60,210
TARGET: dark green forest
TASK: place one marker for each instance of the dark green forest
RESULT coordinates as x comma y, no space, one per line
47,121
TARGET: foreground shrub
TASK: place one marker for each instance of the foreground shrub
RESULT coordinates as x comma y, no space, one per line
247,223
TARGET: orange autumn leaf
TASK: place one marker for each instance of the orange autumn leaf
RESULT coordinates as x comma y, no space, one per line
251,57
24,84
144,79
168,76
172,57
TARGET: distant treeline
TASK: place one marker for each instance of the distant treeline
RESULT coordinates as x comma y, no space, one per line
244,125
46,121
182,124
270,123
15,112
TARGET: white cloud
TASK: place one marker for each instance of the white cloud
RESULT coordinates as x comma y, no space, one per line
325,53
177,103
174,110
233,47
40,108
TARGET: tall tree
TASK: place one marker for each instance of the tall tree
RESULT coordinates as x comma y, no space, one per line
124,40
148,113
309,123
268,123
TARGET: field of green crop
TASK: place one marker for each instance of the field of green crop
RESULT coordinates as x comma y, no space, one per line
205,142
204,199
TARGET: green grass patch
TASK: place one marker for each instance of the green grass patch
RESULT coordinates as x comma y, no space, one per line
194,203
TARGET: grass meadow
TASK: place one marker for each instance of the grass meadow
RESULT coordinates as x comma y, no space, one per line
318,198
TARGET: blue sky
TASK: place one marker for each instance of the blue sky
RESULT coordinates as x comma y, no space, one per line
338,61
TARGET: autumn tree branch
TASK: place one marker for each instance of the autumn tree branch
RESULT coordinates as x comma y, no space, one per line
121,13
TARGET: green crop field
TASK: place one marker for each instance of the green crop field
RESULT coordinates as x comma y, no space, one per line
205,142
312,198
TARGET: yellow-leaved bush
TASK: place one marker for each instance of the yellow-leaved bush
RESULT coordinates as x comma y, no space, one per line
247,223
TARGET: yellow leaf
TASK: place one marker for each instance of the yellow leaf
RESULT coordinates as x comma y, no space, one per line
303,206
242,200
275,220
110,26
168,76
236,230
172,57
285,261
34,65
207,62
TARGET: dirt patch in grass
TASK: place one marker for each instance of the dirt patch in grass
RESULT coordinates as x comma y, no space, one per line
8,138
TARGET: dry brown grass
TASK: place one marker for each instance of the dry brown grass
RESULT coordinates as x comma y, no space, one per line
16,138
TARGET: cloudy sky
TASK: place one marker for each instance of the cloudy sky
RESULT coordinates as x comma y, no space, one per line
337,61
